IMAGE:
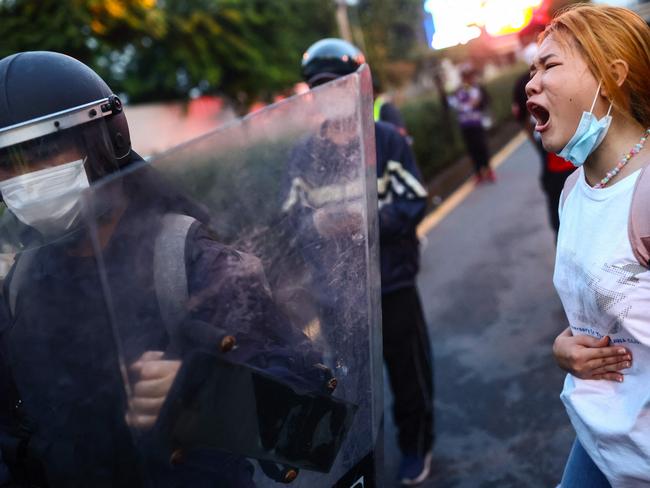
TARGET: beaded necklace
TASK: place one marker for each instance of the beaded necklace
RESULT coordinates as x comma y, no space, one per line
624,160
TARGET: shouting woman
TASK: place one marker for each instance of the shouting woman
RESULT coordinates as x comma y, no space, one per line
590,94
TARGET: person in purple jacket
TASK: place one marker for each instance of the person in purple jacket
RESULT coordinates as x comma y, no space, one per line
470,101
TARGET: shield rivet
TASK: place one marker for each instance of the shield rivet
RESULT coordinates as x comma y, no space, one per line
177,457
228,343
290,475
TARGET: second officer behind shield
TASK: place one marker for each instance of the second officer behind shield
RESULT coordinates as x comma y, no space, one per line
402,204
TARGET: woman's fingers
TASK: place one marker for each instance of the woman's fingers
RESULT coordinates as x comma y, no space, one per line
610,363
601,352
615,367
584,359
588,357
609,376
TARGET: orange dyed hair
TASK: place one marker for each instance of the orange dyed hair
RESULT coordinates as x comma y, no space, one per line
604,34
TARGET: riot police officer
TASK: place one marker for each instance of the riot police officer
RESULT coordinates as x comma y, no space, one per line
117,288
402,204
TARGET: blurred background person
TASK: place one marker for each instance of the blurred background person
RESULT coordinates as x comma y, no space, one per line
470,101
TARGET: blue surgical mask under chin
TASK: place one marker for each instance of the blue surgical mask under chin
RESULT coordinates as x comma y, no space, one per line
588,136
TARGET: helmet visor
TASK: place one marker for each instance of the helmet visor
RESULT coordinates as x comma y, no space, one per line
44,182
56,139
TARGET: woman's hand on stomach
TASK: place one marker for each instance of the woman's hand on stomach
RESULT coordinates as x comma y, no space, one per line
589,358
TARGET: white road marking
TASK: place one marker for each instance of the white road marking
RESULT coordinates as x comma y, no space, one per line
456,198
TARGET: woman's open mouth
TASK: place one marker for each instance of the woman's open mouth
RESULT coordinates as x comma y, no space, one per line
541,115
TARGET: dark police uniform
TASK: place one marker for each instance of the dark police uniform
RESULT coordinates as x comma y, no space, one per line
402,204
318,163
62,396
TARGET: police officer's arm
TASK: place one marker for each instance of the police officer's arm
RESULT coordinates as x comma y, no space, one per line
230,304
231,296
402,196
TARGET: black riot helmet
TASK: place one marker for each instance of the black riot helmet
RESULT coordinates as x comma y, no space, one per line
329,59
49,102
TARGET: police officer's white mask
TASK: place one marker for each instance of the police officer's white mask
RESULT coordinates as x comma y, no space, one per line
47,199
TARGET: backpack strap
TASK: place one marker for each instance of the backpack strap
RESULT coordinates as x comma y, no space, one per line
569,184
170,274
17,278
639,223
169,269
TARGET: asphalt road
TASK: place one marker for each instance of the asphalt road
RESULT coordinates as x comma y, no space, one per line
492,314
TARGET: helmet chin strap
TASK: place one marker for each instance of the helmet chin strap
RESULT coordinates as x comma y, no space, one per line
128,153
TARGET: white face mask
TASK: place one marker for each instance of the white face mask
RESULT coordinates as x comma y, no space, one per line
48,199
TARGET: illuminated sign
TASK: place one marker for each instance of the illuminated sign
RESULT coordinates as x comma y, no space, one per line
463,20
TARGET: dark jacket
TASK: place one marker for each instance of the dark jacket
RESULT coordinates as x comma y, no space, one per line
402,204
60,355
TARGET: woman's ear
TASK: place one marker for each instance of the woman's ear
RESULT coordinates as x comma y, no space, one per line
619,70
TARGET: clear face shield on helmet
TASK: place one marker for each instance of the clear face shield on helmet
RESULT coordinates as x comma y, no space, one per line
47,163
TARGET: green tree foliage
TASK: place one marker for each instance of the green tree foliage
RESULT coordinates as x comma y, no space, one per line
392,31
165,49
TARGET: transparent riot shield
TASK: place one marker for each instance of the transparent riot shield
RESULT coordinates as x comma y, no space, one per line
219,323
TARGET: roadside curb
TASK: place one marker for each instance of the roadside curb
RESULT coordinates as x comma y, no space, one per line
457,197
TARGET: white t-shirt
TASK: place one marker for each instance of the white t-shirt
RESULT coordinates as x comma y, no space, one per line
605,291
